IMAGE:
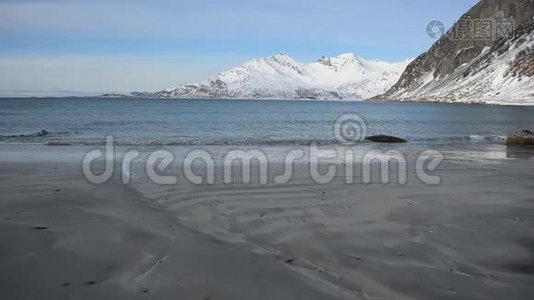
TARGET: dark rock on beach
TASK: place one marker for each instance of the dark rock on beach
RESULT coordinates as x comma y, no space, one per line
40,228
385,139
524,137
290,261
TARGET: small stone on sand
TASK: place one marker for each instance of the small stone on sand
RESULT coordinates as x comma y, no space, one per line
40,228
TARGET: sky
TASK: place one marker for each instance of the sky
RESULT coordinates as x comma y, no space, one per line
88,47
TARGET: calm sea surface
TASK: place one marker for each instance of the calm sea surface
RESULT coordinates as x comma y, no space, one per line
236,122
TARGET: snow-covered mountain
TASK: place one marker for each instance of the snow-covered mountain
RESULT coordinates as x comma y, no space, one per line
346,76
495,70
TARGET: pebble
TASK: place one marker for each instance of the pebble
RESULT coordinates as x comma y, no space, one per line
290,261
40,228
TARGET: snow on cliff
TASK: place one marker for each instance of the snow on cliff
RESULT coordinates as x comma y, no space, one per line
495,70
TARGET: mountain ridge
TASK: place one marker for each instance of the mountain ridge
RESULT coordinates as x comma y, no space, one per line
498,70
341,77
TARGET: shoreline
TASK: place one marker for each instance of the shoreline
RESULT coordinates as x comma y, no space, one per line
522,103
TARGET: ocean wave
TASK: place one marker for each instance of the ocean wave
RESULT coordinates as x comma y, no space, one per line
70,139
41,133
39,137
192,143
474,138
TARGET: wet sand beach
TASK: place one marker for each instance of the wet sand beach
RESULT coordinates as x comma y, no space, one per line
470,237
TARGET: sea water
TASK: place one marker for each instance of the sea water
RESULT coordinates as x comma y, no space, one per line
217,122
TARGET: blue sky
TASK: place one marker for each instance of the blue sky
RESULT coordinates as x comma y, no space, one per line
67,46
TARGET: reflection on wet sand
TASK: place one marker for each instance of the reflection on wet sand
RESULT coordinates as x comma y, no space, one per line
520,152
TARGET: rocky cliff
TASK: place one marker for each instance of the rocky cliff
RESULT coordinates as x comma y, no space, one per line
486,57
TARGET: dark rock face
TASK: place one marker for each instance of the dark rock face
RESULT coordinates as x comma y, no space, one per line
454,57
385,139
523,65
212,89
524,137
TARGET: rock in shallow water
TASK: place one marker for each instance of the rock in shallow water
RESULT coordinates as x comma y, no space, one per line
524,137
385,139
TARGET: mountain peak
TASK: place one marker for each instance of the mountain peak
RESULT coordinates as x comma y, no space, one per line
346,56
465,68
340,60
281,77
283,59
282,56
